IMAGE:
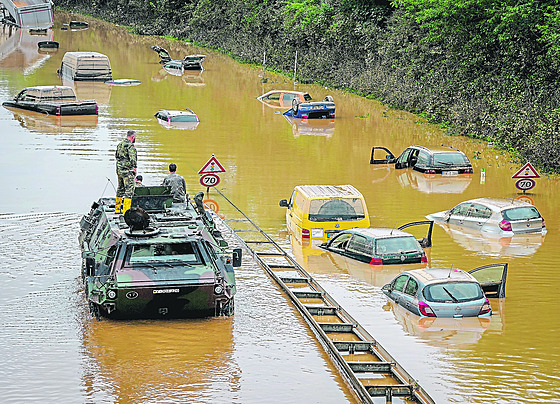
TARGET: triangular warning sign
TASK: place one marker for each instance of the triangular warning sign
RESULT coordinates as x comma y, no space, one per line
527,171
212,166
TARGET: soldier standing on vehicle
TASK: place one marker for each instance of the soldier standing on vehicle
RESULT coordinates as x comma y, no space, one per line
126,172
177,184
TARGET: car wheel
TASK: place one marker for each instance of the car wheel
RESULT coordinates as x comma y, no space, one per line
295,105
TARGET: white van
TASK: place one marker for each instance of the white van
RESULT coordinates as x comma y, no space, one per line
85,66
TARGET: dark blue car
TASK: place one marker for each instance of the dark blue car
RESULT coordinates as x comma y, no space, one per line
312,110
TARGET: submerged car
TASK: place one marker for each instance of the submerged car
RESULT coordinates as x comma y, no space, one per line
312,110
52,100
381,246
189,62
448,292
158,260
178,119
318,212
505,217
443,160
283,98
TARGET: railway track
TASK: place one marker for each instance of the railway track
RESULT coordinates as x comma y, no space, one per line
370,370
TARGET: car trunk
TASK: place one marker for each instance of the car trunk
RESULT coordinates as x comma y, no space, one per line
527,226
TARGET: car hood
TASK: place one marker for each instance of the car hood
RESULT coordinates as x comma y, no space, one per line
438,216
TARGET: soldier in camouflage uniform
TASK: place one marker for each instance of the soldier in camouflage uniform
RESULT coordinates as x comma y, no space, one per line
177,184
126,172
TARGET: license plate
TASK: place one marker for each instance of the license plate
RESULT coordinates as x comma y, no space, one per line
449,173
316,233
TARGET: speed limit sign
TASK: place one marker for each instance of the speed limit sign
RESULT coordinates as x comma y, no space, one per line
209,180
525,184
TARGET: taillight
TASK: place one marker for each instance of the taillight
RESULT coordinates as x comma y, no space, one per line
486,308
96,109
304,116
304,233
505,225
376,261
468,171
426,310
58,111
423,259
430,171
332,115
543,223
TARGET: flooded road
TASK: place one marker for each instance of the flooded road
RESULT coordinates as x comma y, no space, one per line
54,168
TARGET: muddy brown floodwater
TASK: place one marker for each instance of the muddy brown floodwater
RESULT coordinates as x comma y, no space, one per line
54,168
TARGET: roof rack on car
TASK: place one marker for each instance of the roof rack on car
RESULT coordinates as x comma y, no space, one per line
451,147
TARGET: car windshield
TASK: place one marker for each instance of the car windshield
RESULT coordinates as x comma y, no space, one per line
397,245
455,292
450,159
335,209
162,252
523,213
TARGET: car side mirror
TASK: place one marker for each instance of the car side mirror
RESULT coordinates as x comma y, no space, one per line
90,266
387,288
284,203
237,257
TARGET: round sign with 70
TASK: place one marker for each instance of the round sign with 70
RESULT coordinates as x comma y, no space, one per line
210,180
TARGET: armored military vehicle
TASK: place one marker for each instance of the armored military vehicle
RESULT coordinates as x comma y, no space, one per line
159,260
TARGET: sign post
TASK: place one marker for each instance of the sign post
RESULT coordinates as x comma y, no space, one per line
525,177
209,173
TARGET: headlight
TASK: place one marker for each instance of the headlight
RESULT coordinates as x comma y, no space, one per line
111,294
218,289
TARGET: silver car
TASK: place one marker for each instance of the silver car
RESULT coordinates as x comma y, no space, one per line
505,217
448,292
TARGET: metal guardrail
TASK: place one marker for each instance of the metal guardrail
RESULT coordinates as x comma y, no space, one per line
369,369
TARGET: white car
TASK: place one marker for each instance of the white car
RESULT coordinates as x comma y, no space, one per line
505,217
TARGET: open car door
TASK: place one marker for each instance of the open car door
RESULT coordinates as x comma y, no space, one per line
389,157
163,54
492,279
425,242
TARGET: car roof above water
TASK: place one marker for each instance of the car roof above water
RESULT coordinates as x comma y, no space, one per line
438,275
499,204
330,191
380,232
439,149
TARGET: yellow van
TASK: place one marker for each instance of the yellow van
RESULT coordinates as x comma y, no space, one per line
317,212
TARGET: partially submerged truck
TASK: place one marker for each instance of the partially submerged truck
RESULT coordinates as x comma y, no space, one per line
33,14
159,260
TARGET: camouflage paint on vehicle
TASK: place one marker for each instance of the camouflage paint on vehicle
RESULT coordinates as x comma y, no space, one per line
177,267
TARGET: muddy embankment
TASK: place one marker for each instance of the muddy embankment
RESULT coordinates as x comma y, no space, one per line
505,93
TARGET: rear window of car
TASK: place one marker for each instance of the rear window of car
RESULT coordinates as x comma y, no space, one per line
184,118
524,213
397,245
450,159
328,210
453,292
